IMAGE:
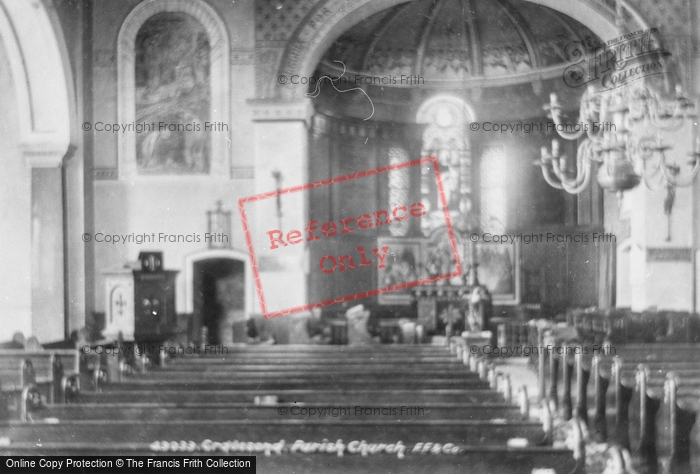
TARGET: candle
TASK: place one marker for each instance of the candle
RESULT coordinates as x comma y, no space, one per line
555,147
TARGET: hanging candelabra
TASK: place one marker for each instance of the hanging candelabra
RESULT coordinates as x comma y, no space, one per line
606,126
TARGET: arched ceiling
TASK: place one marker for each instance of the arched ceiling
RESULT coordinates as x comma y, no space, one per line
458,43
502,56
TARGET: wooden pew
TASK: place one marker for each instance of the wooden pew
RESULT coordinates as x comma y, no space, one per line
30,378
637,381
239,411
274,370
190,400
608,377
651,390
680,410
331,349
618,374
578,370
624,326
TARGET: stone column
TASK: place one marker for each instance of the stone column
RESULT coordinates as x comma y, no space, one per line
47,254
662,263
694,89
281,159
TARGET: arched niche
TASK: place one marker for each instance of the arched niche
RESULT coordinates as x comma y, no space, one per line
219,86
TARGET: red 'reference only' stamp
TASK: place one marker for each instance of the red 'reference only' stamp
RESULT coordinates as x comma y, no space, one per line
356,242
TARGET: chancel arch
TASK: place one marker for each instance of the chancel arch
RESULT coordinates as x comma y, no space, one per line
471,73
323,25
173,69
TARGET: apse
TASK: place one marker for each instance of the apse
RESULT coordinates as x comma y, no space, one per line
465,84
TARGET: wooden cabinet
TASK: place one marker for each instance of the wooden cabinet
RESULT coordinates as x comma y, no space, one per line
154,305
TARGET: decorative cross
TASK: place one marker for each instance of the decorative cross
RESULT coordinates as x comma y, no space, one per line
277,175
121,304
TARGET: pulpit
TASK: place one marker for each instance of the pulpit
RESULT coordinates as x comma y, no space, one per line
140,304
154,305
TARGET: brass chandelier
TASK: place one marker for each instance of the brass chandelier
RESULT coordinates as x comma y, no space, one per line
613,127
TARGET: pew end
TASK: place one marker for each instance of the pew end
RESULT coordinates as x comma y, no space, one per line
547,419
30,401
618,461
678,419
524,402
70,388
579,445
507,388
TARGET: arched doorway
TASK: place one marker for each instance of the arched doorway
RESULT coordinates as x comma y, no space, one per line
219,299
218,284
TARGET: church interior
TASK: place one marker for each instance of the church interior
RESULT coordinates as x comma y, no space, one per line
371,236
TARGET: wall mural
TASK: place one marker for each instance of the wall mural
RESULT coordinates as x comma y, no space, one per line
173,95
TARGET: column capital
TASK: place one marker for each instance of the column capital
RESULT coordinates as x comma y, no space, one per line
45,154
282,110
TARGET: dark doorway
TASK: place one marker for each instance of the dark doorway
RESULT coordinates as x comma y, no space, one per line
218,289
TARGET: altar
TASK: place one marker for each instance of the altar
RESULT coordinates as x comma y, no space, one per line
453,309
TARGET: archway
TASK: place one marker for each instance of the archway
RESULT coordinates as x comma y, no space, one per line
39,115
321,28
202,270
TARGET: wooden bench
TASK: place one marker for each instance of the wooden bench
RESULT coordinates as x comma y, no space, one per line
236,411
27,378
636,381
625,327
240,396
681,408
